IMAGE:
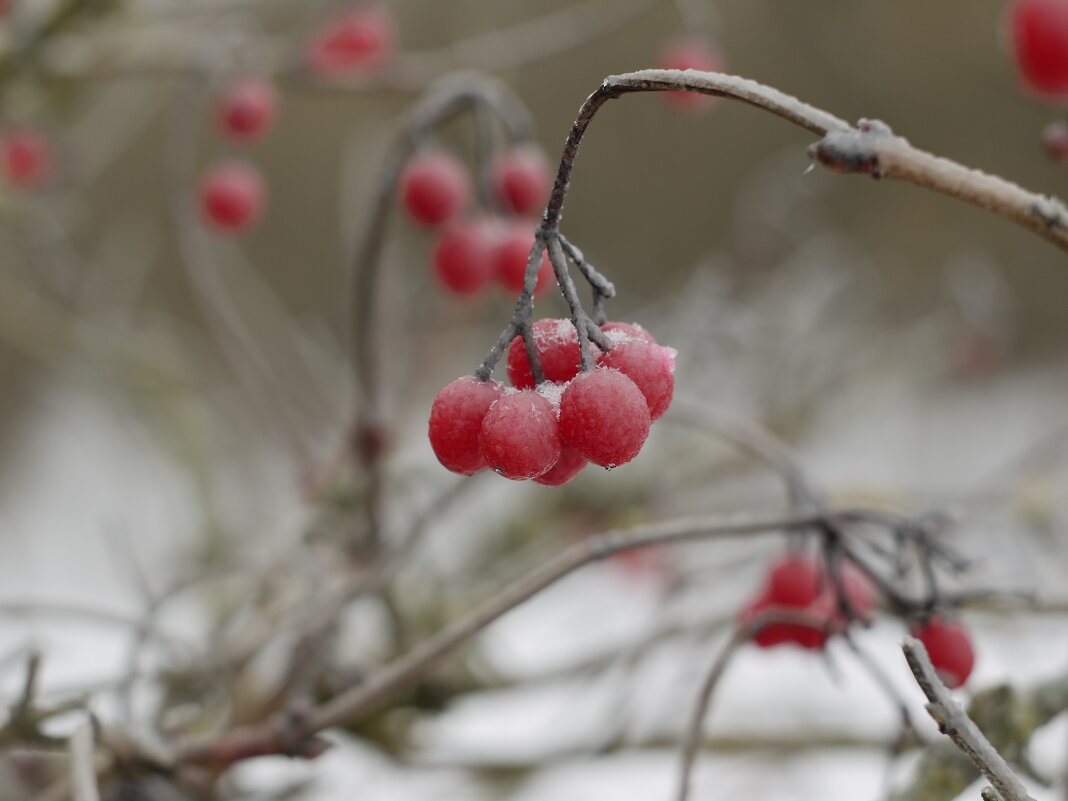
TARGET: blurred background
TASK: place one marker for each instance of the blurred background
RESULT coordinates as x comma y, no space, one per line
178,483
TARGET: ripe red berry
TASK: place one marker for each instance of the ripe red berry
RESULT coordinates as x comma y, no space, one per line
604,416
521,179
27,158
1039,32
950,648
794,580
651,367
520,436
511,256
434,186
456,420
360,40
568,466
231,195
462,258
558,350
775,634
247,109
632,330
690,53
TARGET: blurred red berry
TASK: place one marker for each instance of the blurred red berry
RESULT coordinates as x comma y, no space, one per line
950,647
27,158
1039,34
434,187
462,258
1055,140
521,179
362,39
247,109
690,53
232,196
511,256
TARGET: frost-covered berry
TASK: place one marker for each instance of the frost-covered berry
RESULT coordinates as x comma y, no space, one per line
690,53
520,436
1039,33
434,186
558,351
232,196
568,466
462,258
456,420
604,416
360,40
521,179
511,256
632,330
950,647
651,367
247,109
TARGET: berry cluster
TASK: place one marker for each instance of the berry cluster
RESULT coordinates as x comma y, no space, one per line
232,192
473,249
550,431
800,583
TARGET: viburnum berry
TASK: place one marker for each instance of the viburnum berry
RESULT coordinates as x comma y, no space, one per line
520,436
27,157
434,187
232,195
568,466
362,39
651,367
558,351
950,647
521,179
690,53
456,420
511,256
604,416
1039,33
462,258
247,109
632,330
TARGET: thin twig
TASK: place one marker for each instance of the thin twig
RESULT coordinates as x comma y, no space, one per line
82,767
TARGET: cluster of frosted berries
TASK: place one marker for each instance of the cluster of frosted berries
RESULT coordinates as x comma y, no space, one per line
232,191
798,583
26,158
549,432
474,249
690,53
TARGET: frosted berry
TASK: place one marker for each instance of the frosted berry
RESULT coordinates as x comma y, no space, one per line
247,109
558,351
462,258
521,179
604,416
520,437
632,330
690,53
511,256
1039,33
434,186
231,196
651,367
358,41
27,158
950,648
456,420
568,466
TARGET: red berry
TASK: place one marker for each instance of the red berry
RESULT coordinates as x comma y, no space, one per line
1039,31
512,254
456,420
232,195
950,648
360,40
794,580
568,466
520,436
27,158
434,187
462,258
775,634
558,350
632,330
521,179
690,53
604,416
246,111
651,367
1055,140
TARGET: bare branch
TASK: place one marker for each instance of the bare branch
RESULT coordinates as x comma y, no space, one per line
82,767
